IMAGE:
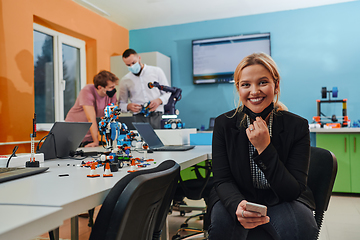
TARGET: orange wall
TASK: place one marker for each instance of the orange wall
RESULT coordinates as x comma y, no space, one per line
103,39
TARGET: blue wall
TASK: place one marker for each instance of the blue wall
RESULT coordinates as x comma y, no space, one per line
314,47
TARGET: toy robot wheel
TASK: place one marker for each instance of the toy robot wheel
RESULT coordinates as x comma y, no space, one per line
177,112
121,164
335,92
173,125
323,92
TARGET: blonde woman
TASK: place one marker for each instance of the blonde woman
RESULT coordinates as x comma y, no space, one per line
260,155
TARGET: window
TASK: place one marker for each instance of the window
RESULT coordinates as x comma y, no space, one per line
59,74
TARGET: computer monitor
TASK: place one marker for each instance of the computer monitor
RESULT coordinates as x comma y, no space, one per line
214,60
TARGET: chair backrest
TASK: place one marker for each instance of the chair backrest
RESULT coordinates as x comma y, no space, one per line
194,188
133,206
321,177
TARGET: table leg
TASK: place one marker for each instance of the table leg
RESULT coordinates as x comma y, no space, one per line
75,228
165,230
54,234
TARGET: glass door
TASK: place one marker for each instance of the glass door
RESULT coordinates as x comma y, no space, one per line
44,77
72,68
71,75
59,74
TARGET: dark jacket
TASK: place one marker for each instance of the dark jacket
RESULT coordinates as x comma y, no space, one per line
285,162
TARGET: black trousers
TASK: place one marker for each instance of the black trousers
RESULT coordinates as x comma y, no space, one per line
288,221
154,119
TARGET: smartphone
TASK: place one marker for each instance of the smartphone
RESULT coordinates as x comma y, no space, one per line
254,207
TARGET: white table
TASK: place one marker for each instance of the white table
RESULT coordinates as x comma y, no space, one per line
16,220
77,193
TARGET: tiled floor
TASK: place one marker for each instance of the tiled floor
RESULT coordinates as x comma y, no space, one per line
175,220
341,222
65,229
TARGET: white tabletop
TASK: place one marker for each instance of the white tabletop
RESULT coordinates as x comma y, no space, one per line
26,222
76,192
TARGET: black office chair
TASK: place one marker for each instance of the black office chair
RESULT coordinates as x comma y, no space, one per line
136,207
195,189
321,177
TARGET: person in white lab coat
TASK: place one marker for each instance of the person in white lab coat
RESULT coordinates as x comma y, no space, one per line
134,91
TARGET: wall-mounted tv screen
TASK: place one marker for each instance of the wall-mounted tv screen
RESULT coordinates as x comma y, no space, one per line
215,59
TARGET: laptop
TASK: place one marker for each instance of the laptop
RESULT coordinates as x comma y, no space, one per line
8,174
63,139
150,137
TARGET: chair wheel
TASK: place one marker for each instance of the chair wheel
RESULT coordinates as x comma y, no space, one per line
175,237
184,225
182,213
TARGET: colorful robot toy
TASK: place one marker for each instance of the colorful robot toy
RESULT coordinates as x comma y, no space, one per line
145,110
109,127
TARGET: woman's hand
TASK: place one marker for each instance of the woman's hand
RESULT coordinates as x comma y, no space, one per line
258,134
248,219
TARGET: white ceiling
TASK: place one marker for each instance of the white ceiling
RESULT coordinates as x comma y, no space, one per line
137,14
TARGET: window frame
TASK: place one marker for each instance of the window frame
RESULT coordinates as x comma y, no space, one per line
58,40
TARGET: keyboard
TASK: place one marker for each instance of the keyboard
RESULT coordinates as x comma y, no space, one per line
8,174
173,148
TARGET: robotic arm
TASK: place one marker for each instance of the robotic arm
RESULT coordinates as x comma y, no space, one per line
175,96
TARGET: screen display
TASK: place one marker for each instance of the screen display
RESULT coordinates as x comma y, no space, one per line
215,59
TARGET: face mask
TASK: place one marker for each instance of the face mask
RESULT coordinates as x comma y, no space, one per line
135,68
111,93
263,114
